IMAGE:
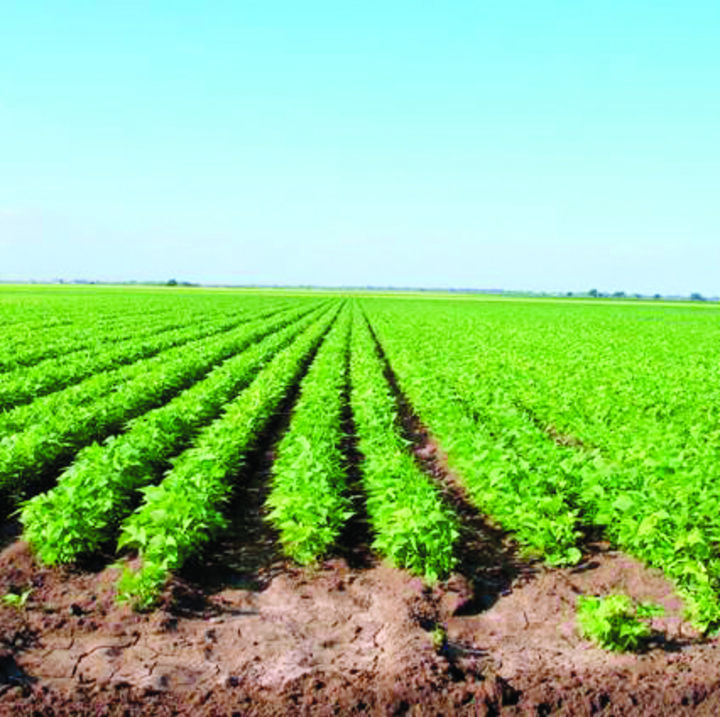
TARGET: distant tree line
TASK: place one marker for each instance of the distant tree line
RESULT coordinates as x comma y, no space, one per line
595,294
175,282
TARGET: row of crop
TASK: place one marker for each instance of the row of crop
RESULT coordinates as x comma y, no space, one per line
178,516
412,526
45,309
90,389
602,396
511,471
646,457
45,348
23,328
649,409
97,491
22,345
308,502
27,384
22,317
42,446
94,329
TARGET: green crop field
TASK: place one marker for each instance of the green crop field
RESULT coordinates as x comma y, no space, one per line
129,418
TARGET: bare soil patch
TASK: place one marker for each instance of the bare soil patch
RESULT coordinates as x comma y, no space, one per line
342,640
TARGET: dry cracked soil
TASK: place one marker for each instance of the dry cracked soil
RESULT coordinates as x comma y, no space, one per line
343,639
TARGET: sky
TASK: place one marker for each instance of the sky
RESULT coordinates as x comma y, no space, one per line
546,146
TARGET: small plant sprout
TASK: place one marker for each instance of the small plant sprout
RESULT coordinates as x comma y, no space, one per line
616,622
439,638
17,599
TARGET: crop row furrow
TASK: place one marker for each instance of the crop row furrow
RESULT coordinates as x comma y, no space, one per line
509,469
97,491
178,516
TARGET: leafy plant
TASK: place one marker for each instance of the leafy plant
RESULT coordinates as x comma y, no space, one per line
182,513
17,599
64,422
615,622
27,383
307,503
413,528
439,638
510,469
95,493
559,416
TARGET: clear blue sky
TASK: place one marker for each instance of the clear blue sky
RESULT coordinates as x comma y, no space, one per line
525,145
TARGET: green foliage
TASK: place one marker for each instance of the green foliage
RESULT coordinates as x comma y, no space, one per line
182,513
615,622
510,469
93,322
552,415
307,503
413,528
17,599
61,424
439,638
101,362
98,489
557,415
28,383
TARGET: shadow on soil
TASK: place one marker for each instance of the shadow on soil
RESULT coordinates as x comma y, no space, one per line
10,530
355,541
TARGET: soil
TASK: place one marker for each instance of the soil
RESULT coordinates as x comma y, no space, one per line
343,640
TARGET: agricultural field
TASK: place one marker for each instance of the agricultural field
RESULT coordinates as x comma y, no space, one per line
270,502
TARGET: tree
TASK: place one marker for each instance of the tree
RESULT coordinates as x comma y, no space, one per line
695,296
593,293
171,282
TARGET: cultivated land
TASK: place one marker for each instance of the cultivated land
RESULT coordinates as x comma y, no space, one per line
273,502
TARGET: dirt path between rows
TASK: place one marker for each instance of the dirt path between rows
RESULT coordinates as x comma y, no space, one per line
341,640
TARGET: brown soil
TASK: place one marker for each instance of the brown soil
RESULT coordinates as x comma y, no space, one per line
336,640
